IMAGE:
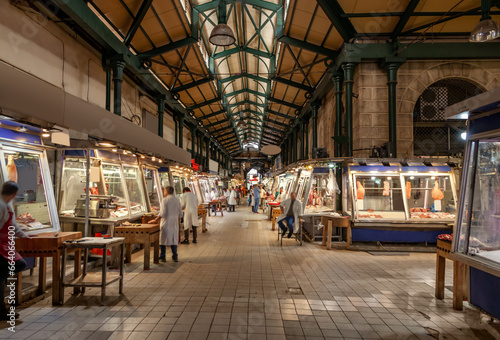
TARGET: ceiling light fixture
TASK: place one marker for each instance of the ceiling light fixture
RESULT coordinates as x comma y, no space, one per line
46,135
222,34
22,129
487,29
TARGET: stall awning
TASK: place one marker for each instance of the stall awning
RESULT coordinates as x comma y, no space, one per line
30,98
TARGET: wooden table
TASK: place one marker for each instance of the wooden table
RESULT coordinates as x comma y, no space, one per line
144,234
218,206
45,245
443,252
329,222
202,211
92,279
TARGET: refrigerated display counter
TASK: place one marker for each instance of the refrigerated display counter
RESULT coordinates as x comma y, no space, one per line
476,238
116,190
409,201
181,176
24,160
152,184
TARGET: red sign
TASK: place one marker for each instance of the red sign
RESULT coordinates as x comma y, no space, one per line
195,166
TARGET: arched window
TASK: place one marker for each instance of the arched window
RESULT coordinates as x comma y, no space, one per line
432,134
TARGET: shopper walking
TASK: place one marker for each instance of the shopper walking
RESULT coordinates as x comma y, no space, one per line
170,214
232,199
189,203
291,208
238,195
256,197
9,257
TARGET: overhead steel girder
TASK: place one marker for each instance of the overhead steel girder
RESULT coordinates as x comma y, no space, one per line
205,103
274,129
242,49
231,133
213,114
404,18
247,111
279,114
168,48
137,21
282,102
82,15
215,123
335,13
308,46
247,102
235,93
241,75
277,123
221,129
293,84
191,85
258,3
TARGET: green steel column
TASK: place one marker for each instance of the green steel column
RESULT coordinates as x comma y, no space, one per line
176,132
108,88
181,132
307,141
392,81
337,81
193,142
294,145
161,109
303,140
314,115
349,81
290,150
118,66
207,161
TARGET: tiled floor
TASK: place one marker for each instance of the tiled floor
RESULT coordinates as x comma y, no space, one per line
233,285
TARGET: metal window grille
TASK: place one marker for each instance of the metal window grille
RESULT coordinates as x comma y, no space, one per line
432,134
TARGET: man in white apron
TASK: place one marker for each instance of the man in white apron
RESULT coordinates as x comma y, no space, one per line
189,203
291,208
170,213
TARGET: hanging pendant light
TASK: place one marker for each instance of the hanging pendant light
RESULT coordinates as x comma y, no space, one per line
241,123
222,34
487,29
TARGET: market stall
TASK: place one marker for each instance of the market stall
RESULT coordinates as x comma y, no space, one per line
152,185
476,239
180,178
24,161
116,190
399,201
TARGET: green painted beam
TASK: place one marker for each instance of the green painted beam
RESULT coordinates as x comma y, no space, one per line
242,75
279,114
235,50
282,102
137,21
205,103
247,102
225,128
440,21
258,3
234,93
216,113
168,48
410,8
215,123
293,84
308,46
247,111
191,85
334,12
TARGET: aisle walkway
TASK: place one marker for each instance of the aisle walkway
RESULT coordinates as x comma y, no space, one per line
234,284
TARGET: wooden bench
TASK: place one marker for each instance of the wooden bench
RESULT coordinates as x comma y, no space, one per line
329,222
443,252
45,245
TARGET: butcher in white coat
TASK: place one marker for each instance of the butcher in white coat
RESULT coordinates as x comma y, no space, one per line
291,209
170,213
232,199
189,203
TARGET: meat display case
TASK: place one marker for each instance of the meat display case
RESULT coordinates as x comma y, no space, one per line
399,201
287,181
152,184
476,238
116,186
24,161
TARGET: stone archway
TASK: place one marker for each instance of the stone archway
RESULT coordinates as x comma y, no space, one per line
412,88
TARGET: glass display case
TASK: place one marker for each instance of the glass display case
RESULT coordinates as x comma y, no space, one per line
135,189
388,191
322,188
302,183
34,205
152,188
165,180
205,189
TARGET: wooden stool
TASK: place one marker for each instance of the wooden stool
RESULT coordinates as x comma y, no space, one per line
276,213
329,222
443,252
